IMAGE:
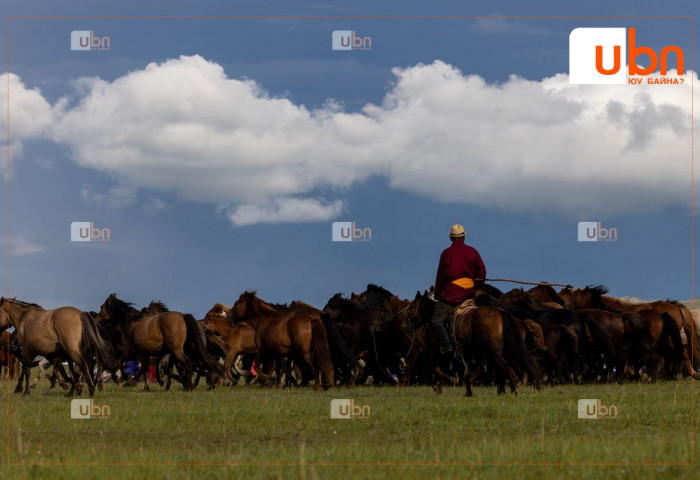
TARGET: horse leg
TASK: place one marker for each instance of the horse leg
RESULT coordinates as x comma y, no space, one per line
144,363
75,379
468,382
316,374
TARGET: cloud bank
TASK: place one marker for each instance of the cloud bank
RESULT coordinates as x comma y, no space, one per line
544,146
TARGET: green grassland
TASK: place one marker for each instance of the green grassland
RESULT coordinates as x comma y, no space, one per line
410,433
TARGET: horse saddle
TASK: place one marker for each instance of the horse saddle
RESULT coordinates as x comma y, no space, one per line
464,308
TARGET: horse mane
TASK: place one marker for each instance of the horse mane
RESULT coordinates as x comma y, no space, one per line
677,303
19,302
120,307
341,303
256,305
155,307
491,290
298,304
378,290
520,299
551,292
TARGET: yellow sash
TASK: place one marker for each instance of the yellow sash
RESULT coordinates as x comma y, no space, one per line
464,282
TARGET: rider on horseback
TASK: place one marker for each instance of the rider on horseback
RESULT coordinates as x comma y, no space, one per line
460,273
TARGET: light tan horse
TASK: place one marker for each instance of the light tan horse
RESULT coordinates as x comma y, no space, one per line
145,336
56,333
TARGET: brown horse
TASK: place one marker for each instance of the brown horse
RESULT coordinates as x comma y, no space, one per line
485,334
239,339
8,359
294,334
594,297
144,336
64,331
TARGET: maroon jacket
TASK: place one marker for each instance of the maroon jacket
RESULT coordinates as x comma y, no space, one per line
458,261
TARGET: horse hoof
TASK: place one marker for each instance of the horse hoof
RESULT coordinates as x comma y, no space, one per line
100,387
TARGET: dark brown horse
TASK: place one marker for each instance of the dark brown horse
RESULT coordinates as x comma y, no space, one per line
485,334
295,334
64,331
144,336
8,359
594,297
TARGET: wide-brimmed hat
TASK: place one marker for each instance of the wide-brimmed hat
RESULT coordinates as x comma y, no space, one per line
457,231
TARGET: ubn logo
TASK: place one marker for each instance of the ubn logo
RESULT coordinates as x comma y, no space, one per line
346,408
87,232
87,40
84,409
595,232
593,408
599,55
347,40
348,232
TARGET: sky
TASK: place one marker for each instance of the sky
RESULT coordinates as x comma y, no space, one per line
218,152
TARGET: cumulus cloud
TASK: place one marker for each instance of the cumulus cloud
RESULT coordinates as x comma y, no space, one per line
543,146
280,210
30,114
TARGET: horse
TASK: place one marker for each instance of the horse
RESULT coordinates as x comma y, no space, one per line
295,334
594,297
545,294
484,334
8,359
239,340
144,336
369,333
568,336
53,334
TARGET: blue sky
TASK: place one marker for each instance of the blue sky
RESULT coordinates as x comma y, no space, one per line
219,152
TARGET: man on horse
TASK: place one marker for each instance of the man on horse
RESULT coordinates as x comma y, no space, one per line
460,273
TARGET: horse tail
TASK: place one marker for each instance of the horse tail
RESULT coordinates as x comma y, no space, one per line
535,331
671,331
514,350
339,349
640,336
320,350
194,338
600,338
91,338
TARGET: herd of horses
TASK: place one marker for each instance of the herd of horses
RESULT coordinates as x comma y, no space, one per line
534,337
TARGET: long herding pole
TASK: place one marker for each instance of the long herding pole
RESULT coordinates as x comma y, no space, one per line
525,283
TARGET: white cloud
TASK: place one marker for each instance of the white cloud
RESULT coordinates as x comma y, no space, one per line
30,116
285,210
119,196
153,206
20,246
542,146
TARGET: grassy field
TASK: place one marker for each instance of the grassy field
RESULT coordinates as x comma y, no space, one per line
247,425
